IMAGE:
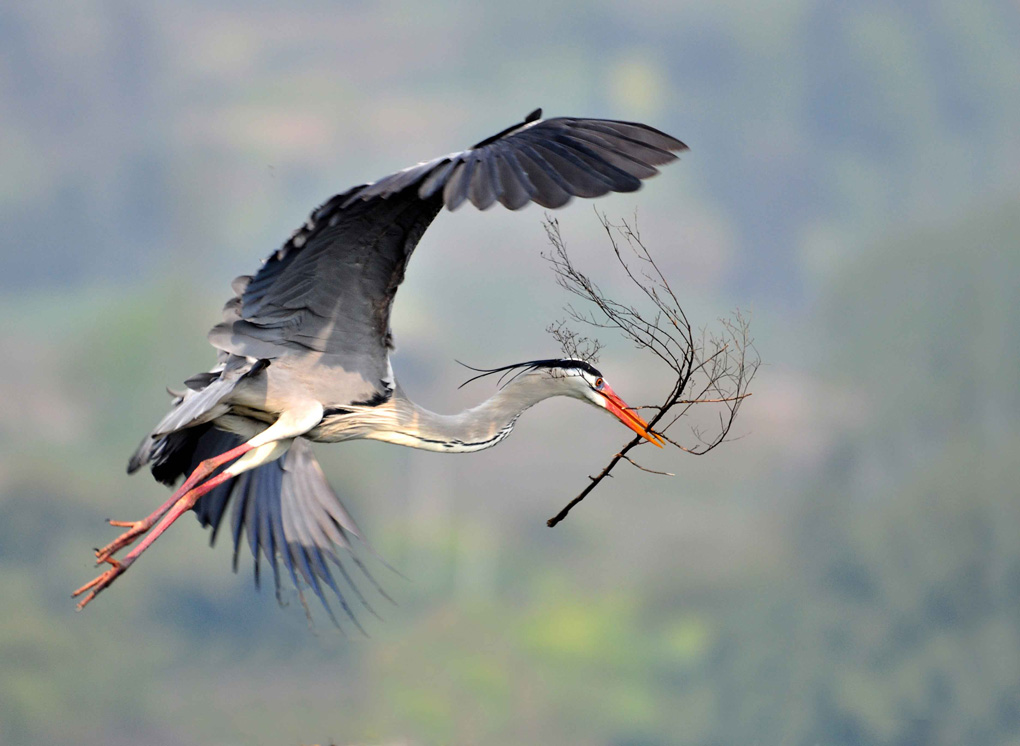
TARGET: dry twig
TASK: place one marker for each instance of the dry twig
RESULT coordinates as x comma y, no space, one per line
707,368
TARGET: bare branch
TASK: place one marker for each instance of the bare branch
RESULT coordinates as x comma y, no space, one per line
706,369
573,344
645,468
695,401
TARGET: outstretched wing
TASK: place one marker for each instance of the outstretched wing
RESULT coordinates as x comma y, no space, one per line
325,296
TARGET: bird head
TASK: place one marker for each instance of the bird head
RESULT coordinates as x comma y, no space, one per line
575,378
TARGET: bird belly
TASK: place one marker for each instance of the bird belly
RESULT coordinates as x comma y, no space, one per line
287,383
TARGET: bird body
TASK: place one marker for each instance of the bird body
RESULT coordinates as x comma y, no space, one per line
304,348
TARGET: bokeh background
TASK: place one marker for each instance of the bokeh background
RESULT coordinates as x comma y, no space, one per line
848,572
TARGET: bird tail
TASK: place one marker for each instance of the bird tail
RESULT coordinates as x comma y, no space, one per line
176,435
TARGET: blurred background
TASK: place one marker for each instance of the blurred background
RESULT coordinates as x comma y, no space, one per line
848,572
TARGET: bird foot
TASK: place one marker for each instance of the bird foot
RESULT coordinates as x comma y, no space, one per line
134,530
99,584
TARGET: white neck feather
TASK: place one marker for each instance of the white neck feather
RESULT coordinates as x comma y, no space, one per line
402,422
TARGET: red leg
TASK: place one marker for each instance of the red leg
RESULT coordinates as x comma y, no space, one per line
182,505
137,528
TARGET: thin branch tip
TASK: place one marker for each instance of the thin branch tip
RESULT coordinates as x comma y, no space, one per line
706,368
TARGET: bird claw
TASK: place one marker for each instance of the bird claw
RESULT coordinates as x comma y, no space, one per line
100,583
135,529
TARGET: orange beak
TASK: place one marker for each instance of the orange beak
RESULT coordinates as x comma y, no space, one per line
628,416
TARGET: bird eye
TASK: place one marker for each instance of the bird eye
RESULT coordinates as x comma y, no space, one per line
599,383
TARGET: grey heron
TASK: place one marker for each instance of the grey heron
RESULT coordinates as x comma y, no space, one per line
304,352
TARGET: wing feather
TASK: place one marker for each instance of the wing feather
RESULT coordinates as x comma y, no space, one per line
515,189
435,180
551,190
325,295
285,511
484,185
456,189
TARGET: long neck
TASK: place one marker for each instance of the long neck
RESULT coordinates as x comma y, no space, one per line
403,422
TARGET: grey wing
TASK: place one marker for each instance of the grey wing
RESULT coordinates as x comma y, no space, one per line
324,298
322,302
547,161
291,518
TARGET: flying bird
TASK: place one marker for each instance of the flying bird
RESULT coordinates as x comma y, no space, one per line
304,353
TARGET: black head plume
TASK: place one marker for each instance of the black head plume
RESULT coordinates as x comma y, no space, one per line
521,368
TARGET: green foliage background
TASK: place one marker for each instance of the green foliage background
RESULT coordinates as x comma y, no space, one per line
846,573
